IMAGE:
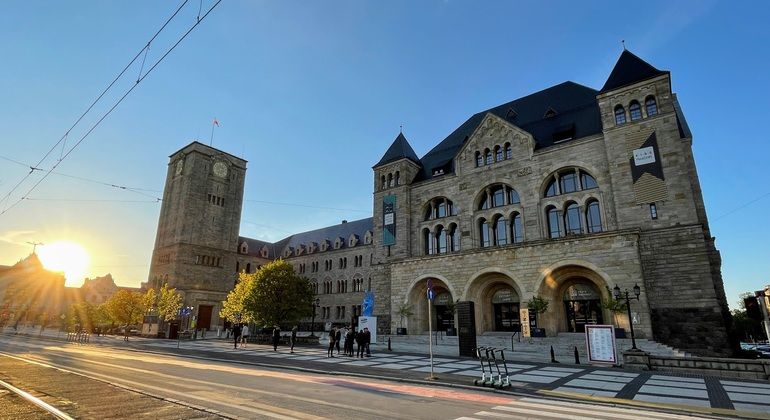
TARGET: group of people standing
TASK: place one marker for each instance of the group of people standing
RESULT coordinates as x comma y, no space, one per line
362,338
241,335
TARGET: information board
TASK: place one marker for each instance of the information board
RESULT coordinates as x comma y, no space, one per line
524,318
368,322
600,342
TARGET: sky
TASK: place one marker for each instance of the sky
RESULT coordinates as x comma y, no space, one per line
313,93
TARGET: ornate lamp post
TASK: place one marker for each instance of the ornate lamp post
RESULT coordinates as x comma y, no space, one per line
616,293
312,323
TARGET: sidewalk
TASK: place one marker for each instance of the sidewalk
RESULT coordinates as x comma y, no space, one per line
661,390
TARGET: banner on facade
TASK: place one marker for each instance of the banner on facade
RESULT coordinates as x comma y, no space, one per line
389,220
524,319
368,322
600,342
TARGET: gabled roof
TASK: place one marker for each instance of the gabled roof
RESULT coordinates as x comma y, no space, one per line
400,149
573,103
630,69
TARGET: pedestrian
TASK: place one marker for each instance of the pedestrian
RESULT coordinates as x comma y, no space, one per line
332,335
236,335
349,339
360,344
337,339
293,337
276,337
244,335
367,341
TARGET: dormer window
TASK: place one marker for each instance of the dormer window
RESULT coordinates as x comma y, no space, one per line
511,114
550,113
368,237
620,115
338,243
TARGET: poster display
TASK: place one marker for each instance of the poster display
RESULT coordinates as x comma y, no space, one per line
368,322
524,318
388,220
600,342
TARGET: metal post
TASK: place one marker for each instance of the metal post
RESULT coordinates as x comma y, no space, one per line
630,322
430,342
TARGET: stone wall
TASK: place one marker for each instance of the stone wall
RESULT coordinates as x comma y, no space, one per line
711,366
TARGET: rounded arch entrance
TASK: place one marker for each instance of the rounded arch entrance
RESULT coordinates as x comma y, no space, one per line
497,299
443,304
575,293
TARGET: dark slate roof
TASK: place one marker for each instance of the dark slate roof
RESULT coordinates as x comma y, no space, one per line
400,149
681,122
331,233
630,69
575,106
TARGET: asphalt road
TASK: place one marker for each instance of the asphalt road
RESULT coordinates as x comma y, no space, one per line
152,385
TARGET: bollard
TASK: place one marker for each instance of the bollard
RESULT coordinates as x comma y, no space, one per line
553,356
389,349
577,356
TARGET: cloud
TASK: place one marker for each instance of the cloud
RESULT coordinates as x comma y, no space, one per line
10,236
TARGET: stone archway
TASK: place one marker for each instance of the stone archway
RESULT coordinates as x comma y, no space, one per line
497,299
575,293
417,299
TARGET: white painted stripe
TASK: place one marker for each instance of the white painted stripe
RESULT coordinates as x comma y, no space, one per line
676,378
37,401
595,410
540,413
650,414
746,384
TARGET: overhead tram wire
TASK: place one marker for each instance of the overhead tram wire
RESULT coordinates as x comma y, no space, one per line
90,107
106,114
306,206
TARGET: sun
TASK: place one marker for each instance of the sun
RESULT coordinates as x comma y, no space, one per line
65,256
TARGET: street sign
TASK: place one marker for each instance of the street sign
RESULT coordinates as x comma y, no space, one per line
431,295
430,283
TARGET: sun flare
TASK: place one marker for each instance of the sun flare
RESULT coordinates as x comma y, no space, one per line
68,257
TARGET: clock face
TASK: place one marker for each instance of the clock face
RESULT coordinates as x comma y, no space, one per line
220,169
179,167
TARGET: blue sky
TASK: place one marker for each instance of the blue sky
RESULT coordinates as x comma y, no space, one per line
312,93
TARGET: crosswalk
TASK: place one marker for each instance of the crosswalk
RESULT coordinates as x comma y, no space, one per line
535,408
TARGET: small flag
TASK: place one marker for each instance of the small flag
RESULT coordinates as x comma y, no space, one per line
216,122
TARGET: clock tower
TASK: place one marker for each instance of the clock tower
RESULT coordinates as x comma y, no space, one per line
198,227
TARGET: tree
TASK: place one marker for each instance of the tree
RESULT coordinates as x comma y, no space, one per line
404,311
126,308
616,306
273,295
168,303
538,304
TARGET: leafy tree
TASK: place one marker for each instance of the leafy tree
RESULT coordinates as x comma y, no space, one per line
168,303
125,307
538,304
404,311
273,295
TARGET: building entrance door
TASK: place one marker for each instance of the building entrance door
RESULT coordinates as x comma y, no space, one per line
204,317
583,306
445,319
507,317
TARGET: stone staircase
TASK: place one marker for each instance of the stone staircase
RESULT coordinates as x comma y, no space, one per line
535,349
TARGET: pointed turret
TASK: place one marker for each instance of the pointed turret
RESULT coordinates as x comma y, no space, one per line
400,149
628,70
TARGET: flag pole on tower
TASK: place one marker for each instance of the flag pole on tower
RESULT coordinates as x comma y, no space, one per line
214,123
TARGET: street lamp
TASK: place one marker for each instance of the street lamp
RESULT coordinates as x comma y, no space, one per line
617,295
312,323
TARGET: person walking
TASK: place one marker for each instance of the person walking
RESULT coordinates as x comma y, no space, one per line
244,335
293,337
236,335
351,340
332,335
337,339
276,337
367,341
360,344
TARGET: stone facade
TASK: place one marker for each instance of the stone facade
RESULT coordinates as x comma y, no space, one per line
563,194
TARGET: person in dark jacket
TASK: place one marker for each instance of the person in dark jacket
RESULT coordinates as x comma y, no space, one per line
332,336
293,337
337,339
236,334
276,337
367,341
360,340
349,338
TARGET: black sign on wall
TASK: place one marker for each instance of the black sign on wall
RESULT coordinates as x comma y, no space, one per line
466,328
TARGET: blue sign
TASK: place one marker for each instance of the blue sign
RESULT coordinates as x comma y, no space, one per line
430,294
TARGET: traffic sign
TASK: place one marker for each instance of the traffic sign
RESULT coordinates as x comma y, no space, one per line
430,283
430,294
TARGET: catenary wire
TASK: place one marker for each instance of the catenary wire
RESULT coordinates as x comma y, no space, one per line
95,101
106,114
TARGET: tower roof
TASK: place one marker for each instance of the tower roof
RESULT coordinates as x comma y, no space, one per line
400,149
630,69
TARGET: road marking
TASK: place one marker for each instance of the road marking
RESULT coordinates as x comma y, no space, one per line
37,401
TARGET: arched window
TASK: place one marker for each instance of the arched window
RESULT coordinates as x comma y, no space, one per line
237,266
454,238
635,111
488,154
248,268
501,232
553,222
479,159
382,182
508,151
568,182
513,197
620,115
550,190
441,209
498,154
484,233
572,219
588,181
517,229
498,196
651,106
397,178
594,217
390,180
441,239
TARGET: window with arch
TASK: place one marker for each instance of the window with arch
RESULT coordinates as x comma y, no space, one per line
552,215
572,219
508,151
454,238
382,182
593,217
569,180
635,111
484,234
498,154
501,231
488,155
397,178
390,180
429,241
248,268
440,207
497,196
479,159
651,106
441,238
517,228
620,115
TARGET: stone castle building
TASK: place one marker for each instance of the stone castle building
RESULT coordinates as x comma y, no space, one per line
563,194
